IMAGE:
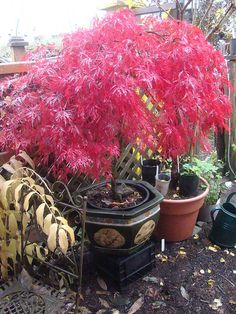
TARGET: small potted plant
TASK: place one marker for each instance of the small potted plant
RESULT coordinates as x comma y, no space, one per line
189,178
179,210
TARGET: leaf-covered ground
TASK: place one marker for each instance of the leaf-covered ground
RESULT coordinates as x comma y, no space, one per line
192,276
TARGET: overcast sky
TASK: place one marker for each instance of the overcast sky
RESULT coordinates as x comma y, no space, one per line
44,17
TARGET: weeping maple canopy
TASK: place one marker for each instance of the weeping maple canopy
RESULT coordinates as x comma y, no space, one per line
78,107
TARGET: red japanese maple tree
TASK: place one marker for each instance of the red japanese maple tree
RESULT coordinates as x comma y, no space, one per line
78,107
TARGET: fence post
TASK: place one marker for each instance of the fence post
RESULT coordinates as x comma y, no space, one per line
17,45
231,153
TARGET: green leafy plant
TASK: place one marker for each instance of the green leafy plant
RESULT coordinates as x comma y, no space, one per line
192,167
25,202
210,169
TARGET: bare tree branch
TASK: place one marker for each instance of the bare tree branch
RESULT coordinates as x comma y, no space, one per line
184,9
178,8
206,13
186,5
228,12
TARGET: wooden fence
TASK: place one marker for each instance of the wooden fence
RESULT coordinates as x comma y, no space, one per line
14,67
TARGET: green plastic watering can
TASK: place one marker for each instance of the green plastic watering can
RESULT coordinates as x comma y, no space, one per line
223,232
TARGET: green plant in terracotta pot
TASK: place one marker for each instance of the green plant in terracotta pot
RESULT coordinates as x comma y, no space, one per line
184,212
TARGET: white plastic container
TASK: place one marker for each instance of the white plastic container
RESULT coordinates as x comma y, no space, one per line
162,183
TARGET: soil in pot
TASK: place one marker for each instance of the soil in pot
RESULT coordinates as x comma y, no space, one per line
129,196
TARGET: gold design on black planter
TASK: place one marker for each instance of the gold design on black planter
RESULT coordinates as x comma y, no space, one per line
144,232
108,237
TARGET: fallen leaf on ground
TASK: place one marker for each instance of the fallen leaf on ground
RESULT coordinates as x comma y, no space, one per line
152,292
184,293
104,303
151,279
196,237
115,311
158,304
101,283
215,304
233,302
211,282
222,260
226,251
119,300
232,254
181,253
162,258
136,306
102,292
213,248
84,310
209,271
161,282
202,271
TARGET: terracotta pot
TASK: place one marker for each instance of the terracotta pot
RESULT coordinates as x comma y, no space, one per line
178,217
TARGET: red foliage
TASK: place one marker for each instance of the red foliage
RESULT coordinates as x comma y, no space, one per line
78,106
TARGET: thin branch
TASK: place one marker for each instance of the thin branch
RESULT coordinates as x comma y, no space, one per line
182,10
206,13
226,15
155,33
178,8
194,8
227,280
186,5
53,266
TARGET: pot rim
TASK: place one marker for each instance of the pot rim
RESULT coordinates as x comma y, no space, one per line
189,200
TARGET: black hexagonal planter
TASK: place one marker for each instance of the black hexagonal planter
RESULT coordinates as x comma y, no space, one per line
123,231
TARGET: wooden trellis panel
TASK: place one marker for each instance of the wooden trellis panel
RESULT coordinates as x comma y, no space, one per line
129,164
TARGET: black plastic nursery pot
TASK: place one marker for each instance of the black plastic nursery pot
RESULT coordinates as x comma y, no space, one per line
122,231
188,185
149,167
